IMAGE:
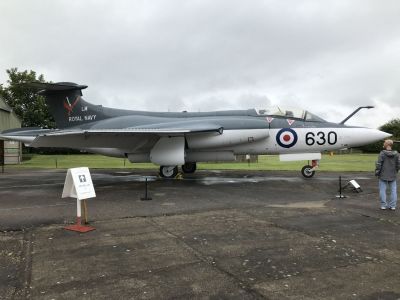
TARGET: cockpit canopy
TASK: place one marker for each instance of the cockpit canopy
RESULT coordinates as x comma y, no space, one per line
295,113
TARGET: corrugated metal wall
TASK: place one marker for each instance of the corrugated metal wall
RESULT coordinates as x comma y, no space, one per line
10,150
8,120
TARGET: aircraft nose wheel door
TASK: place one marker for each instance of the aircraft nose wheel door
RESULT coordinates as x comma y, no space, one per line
168,171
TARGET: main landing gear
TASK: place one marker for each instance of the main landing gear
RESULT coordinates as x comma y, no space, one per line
168,171
189,167
172,171
309,171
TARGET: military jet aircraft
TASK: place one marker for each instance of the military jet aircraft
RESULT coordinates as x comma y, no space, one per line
172,139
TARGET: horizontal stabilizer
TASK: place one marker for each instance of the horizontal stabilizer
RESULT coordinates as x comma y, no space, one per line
25,135
15,130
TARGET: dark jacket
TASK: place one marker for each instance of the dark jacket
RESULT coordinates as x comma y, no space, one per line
387,165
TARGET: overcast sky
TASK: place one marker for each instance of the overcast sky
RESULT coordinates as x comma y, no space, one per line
328,57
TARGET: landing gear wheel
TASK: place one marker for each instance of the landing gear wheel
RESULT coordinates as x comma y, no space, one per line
306,171
189,167
168,171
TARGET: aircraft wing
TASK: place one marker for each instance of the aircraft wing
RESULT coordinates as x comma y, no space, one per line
125,137
138,130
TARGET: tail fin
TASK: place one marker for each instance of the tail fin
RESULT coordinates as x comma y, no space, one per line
65,103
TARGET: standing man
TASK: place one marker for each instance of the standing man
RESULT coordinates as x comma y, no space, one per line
387,166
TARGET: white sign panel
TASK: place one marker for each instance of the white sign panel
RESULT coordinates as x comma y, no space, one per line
78,184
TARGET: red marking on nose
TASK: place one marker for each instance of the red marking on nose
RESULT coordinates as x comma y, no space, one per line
286,138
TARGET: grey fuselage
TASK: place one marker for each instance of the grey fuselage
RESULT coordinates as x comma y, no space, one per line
173,138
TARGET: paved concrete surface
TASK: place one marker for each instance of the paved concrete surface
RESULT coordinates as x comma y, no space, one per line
214,235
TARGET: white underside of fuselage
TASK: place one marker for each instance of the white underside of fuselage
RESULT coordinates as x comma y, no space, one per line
223,147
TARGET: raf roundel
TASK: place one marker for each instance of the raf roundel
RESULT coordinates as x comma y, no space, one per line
286,137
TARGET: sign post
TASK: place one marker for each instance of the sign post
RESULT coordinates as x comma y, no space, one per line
78,184
2,155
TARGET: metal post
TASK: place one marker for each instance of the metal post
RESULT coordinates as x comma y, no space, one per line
146,197
85,212
78,227
340,189
78,212
2,162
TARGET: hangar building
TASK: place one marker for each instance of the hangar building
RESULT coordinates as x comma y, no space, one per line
10,152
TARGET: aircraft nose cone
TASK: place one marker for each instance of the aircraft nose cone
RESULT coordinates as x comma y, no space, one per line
364,136
374,135
380,135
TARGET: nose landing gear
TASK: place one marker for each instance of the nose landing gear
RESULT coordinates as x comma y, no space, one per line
309,171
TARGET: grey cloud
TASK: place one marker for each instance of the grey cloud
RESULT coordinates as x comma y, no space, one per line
325,56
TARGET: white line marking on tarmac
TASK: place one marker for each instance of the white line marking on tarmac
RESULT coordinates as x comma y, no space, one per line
37,206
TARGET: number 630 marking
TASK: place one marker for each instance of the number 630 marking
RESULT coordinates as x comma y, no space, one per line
320,138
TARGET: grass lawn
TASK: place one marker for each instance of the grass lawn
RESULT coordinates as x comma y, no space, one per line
339,162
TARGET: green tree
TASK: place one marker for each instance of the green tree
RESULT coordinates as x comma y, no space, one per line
27,105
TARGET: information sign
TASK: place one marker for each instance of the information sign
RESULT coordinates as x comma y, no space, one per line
78,184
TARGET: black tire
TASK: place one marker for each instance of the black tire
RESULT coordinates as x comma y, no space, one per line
306,171
168,171
189,167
